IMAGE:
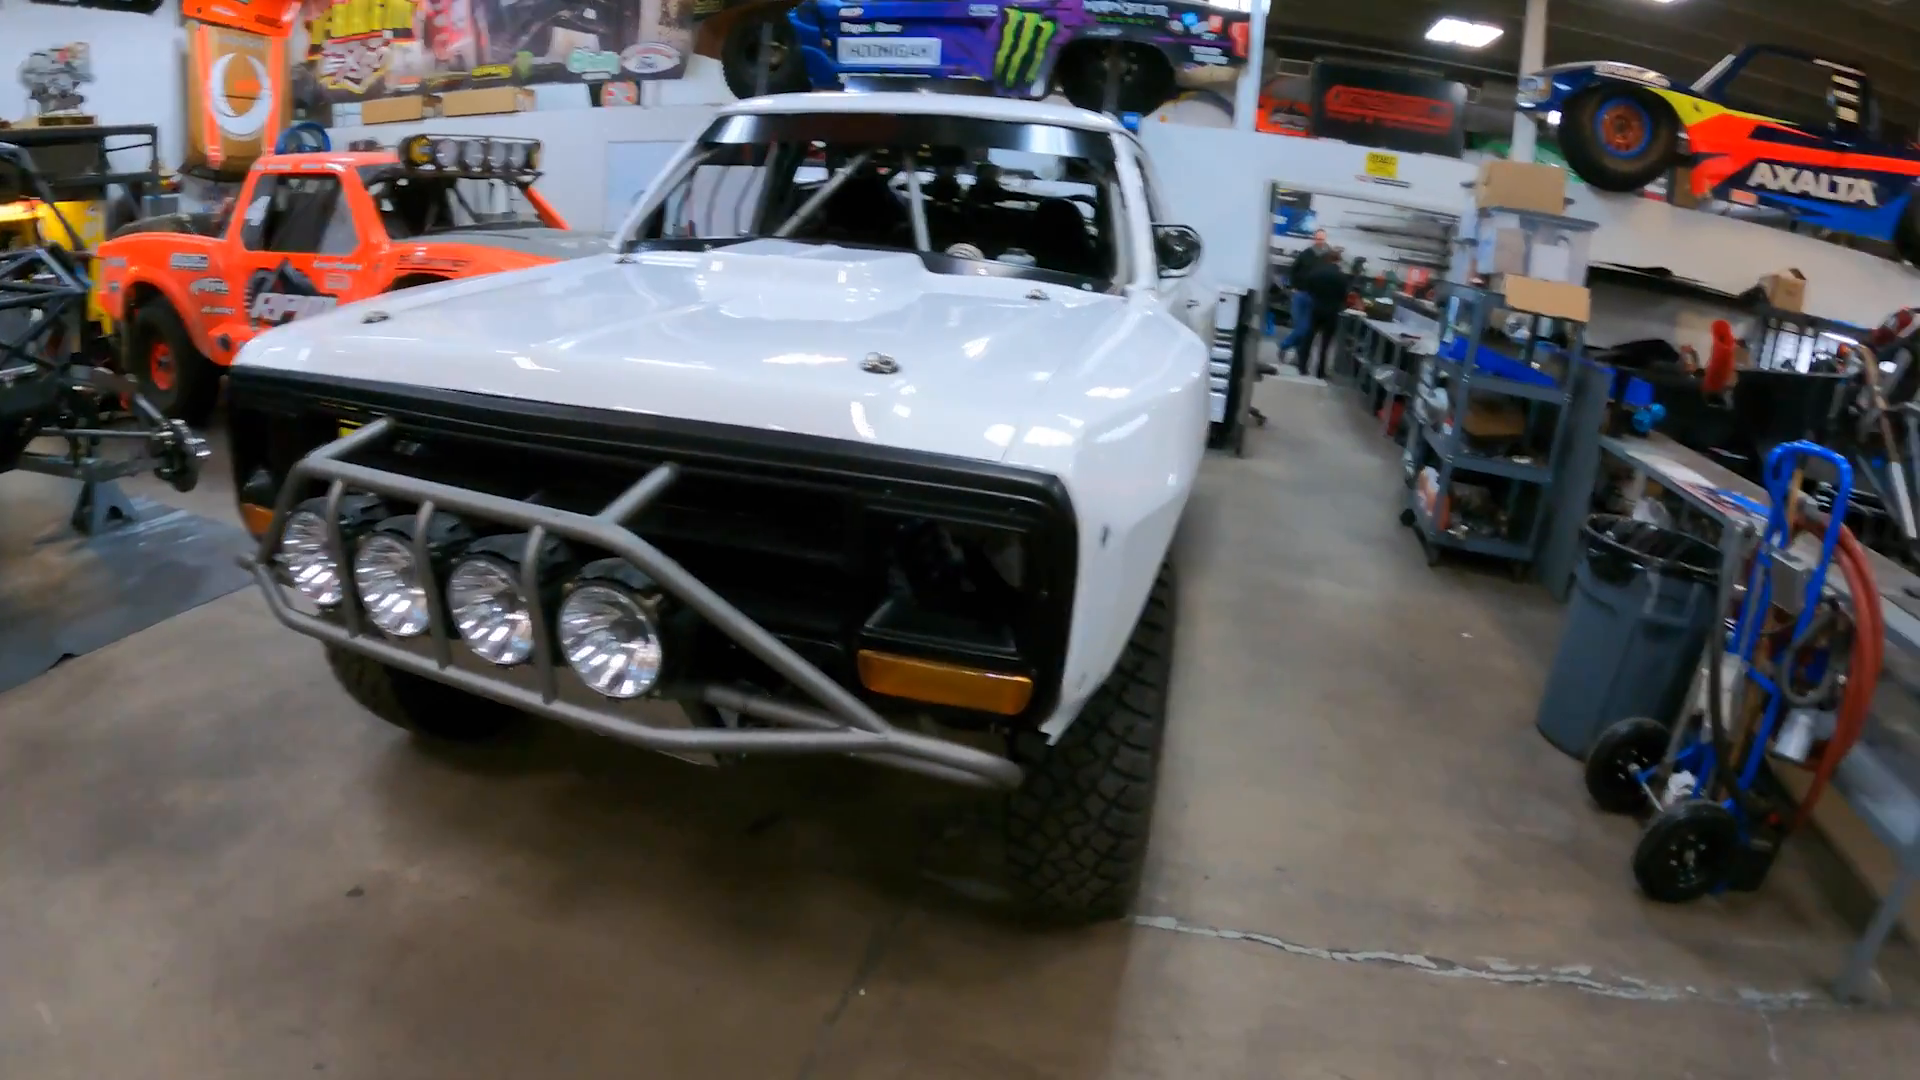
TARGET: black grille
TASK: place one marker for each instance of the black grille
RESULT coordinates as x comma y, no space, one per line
801,533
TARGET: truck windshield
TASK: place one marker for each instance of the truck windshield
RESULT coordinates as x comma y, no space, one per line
1032,200
412,205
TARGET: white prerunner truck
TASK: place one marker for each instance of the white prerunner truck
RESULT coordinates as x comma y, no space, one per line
868,435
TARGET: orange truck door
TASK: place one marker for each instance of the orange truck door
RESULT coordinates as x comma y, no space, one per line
299,253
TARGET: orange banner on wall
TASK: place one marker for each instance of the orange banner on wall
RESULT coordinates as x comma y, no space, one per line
238,96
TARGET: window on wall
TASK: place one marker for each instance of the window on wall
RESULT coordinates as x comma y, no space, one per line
299,215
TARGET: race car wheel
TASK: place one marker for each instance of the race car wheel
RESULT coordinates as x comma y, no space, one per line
1077,827
1146,78
740,54
1906,235
1619,138
173,376
418,705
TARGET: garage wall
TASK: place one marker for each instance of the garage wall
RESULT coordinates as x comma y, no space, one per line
1217,181
136,64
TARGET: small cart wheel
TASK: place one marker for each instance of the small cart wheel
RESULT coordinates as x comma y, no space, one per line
1686,851
1406,517
1433,552
1618,757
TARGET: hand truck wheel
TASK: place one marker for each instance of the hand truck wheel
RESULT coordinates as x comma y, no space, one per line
1617,758
1686,852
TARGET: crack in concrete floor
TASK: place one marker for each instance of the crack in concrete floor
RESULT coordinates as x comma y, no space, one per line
1580,977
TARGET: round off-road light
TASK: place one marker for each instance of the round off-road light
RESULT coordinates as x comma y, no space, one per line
303,555
473,155
490,611
496,156
610,639
446,153
417,150
390,585
517,156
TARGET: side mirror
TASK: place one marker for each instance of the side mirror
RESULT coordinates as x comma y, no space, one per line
1176,248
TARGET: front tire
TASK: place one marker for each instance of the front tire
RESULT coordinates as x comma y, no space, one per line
1619,138
1077,827
417,705
174,376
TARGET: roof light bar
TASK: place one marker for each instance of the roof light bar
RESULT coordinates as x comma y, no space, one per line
1461,32
470,156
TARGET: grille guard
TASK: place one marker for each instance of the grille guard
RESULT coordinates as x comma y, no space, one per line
838,723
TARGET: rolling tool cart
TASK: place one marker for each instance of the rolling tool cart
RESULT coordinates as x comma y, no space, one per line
1790,680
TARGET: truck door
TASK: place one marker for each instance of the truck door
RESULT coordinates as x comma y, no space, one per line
300,253
1184,299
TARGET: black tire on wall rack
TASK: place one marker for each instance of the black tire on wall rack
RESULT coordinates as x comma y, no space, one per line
739,53
1077,827
418,705
1146,78
1615,169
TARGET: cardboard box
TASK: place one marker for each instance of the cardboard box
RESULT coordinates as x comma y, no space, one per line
394,110
485,101
1554,299
1786,290
1521,185
1494,419
1500,251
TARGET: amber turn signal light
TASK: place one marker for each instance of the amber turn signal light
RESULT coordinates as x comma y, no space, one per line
938,683
258,519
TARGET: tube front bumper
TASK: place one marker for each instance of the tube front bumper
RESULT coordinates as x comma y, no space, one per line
837,721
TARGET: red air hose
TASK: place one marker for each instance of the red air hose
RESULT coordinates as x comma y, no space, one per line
1863,668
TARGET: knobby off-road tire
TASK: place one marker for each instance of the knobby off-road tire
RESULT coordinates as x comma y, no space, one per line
414,704
1077,827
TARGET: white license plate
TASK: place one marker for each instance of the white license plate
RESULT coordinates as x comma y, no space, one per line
890,52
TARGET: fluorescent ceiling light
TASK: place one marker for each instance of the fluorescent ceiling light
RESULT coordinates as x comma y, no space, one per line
1467,35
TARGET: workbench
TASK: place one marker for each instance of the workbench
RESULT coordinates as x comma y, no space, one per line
1363,345
1880,778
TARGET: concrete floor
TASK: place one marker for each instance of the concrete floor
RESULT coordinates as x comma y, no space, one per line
1366,864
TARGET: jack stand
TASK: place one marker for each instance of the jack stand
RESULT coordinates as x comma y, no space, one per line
101,506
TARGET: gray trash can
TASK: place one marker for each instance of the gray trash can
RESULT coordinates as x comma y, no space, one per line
1643,601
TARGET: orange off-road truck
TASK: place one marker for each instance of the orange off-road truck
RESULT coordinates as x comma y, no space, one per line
310,231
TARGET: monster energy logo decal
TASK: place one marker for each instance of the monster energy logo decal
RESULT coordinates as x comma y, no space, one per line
1023,48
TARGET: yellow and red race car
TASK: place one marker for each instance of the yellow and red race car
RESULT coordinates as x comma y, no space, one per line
1768,126
310,231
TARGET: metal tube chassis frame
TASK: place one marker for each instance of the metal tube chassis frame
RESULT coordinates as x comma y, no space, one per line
840,724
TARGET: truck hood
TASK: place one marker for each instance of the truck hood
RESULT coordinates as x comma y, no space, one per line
842,343
531,240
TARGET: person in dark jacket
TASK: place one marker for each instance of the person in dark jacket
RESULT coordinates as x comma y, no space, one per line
1327,284
1301,303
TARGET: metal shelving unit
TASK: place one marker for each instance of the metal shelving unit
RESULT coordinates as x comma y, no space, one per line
1523,369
